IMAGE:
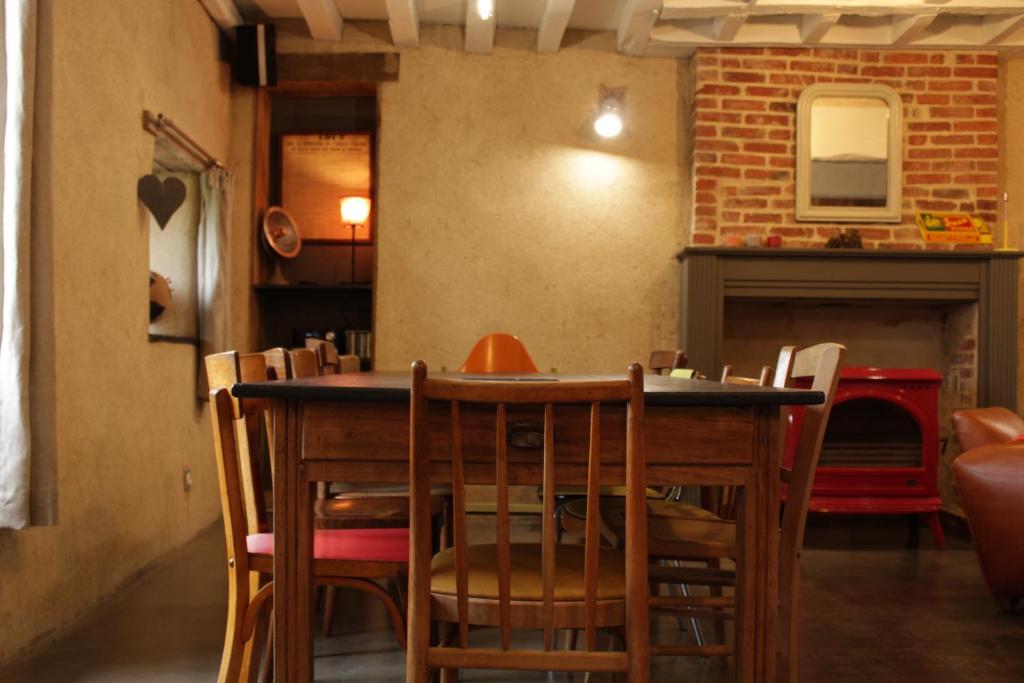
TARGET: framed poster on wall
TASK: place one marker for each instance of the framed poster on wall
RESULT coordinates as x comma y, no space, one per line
317,171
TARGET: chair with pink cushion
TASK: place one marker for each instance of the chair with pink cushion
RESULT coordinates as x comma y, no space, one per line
357,558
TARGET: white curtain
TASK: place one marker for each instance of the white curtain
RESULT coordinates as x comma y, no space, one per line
213,268
18,89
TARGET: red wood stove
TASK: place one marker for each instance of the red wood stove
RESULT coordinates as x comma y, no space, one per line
881,448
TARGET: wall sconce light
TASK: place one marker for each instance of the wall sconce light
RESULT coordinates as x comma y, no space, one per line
609,122
485,9
355,211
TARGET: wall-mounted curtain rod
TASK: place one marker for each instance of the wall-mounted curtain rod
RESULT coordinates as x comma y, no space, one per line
158,123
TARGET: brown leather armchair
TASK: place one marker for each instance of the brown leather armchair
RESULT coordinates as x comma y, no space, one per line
991,480
982,426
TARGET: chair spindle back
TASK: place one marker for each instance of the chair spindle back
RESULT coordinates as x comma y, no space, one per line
501,395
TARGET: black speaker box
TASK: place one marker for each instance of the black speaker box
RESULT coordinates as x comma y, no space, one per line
255,60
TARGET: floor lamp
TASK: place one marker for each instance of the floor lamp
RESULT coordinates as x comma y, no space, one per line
355,211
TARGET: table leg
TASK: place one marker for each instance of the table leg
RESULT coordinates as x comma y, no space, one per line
293,648
758,556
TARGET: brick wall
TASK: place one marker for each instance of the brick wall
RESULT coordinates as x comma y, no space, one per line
744,141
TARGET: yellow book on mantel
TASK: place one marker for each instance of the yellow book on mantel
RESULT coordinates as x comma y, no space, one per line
953,228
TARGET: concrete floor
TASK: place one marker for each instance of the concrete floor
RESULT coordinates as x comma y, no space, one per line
872,612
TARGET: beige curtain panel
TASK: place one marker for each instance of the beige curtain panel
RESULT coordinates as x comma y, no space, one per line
213,269
27,486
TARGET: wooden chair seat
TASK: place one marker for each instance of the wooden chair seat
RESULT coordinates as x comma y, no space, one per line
527,581
656,507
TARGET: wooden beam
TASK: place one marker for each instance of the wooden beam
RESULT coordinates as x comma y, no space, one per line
726,27
404,21
479,30
322,18
552,24
223,12
635,23
813,27
907,29
995,29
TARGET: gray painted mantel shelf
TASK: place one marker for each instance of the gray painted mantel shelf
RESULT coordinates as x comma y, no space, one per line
711,275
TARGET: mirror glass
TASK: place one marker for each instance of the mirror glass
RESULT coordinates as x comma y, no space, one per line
849,153
849,169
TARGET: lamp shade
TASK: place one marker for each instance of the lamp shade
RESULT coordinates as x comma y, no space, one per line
355,210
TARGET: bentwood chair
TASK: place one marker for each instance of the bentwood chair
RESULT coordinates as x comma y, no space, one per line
363,506
508,586
354,558
680,532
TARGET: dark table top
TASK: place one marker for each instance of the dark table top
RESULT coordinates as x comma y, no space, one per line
394,386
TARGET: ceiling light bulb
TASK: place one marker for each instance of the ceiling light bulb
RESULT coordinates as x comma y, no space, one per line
608,124
485,9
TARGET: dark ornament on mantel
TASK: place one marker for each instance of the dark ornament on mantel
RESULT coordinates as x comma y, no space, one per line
162,198
847,239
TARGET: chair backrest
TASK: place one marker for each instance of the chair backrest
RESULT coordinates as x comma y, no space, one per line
499,353
304,363
660,361
983,426
279,363
729,377
455,394
326,355
349,363
821,364
238,461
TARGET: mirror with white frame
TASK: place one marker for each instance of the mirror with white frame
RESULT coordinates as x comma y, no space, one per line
849,153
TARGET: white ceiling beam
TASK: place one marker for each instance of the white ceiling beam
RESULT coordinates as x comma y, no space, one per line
322,18
692,9
635,23
726,27
479,30
553,23
906,29
404,21
995,29
813,27
223,12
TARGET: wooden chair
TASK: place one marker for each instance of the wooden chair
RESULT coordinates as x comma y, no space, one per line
498,353
326,355
365,505
662,361
355,558
530,585
677,531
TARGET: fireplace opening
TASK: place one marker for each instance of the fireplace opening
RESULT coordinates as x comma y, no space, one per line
869,432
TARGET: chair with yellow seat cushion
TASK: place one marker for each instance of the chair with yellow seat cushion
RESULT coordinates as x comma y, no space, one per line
543,585
687,537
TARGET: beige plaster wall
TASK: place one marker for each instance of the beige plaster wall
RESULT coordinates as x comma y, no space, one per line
498,212
124,417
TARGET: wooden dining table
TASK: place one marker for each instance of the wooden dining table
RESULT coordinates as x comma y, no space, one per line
355,428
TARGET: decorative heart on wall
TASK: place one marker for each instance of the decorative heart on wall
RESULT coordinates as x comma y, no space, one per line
162,198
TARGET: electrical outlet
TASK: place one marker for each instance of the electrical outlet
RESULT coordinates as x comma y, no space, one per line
186,479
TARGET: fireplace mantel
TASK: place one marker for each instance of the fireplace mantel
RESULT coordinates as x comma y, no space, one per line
710,275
